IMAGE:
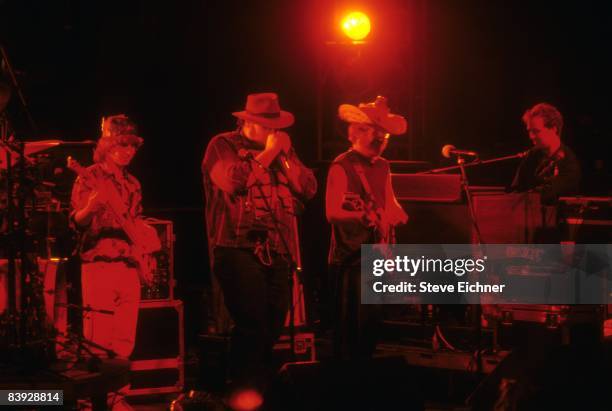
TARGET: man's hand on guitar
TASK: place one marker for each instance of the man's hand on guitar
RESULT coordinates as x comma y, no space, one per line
95,201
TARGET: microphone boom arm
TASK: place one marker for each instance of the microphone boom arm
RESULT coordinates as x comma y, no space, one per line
475,163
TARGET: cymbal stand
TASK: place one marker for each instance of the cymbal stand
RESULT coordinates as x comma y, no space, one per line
83,344
15,235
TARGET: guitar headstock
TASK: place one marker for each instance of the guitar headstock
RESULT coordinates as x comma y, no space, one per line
74,165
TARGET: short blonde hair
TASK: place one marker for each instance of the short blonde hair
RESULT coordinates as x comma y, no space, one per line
549,114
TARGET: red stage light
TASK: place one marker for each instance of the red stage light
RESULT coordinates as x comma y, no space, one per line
356,25
247,400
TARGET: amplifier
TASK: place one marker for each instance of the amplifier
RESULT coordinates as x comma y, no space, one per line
162,287
443,188
588,220
552,316
532,324
158,359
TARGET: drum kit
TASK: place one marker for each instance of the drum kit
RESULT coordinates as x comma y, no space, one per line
36,246
39,277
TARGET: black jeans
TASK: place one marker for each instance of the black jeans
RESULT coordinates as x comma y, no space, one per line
256,297
357,326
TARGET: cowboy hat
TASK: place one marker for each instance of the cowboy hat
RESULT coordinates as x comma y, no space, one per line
376,113
264,109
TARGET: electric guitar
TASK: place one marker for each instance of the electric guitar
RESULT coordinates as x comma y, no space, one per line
144,239
383,233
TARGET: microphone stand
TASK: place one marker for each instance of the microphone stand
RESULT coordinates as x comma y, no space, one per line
13,78
10,235
468,195
85,309
476,162
15,235
296,269
16,230
83,344
462,165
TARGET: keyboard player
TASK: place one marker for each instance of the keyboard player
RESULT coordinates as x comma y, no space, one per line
550,167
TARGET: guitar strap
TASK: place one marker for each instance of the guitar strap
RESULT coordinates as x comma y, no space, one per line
364,181
368,190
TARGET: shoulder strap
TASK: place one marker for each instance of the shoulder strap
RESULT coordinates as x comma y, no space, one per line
364,181
387,237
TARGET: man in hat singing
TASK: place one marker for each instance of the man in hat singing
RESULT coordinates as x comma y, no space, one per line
362,209
254,184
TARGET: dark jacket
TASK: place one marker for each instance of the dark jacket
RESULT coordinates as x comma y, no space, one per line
555,175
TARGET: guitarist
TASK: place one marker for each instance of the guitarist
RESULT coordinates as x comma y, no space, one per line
360,173
104,196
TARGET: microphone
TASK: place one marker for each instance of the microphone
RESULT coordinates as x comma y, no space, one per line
449,150
525,153
282,159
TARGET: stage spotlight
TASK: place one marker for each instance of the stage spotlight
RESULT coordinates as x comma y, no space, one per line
356,25
247,400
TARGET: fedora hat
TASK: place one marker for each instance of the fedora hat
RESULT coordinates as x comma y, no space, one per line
376,113
264,109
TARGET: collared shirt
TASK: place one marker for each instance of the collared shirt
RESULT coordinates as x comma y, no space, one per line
248,206
104,239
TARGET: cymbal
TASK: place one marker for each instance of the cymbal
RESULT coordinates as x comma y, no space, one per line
33,147
30,147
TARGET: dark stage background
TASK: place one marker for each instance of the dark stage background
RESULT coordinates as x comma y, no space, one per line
462,71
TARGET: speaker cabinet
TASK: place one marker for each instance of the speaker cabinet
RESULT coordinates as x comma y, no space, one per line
158,359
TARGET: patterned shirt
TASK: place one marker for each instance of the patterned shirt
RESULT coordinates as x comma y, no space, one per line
245,203
104,239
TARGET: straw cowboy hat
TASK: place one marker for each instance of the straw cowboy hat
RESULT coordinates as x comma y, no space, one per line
264,109
375,113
